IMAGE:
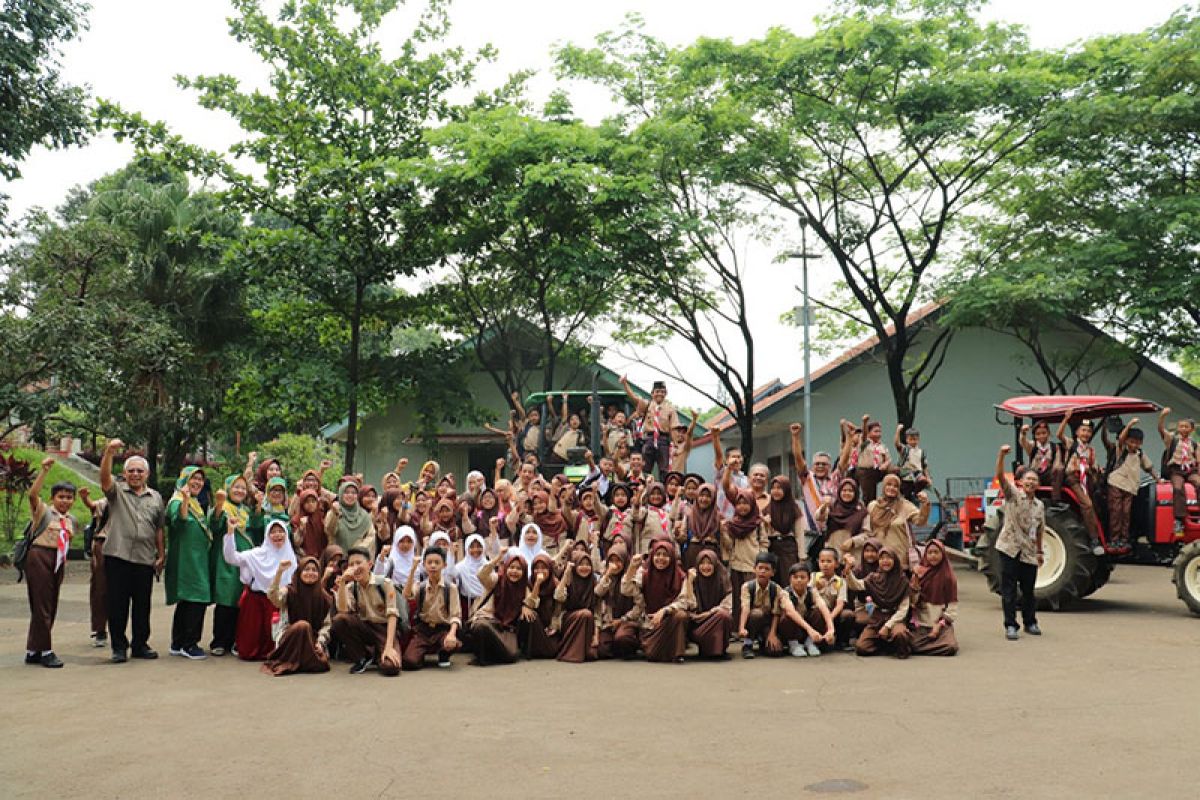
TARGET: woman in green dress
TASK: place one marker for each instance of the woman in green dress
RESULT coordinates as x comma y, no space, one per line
188,579
234,501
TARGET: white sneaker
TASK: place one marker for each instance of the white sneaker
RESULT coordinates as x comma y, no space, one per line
175,651
812,649
796,649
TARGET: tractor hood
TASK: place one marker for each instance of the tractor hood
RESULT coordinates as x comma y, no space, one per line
1054,407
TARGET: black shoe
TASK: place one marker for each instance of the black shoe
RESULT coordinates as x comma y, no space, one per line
146,654
1033,630
1011,633
33,659
443,659
747,651
362,665
50,660
118,656
193,652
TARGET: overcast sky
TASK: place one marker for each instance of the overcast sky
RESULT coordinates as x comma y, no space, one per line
134,48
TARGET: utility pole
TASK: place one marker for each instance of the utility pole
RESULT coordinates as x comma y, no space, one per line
806,320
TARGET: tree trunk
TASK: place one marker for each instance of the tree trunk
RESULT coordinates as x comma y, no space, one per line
896,349
352,411
152,443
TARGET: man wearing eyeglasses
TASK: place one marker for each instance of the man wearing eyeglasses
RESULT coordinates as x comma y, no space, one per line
133,553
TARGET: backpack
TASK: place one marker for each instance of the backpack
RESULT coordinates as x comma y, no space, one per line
21,549
421,597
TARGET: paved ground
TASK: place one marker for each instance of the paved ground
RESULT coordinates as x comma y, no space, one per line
1106,704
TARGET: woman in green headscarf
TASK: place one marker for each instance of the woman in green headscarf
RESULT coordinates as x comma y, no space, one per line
227,587
274,504
188,580
348,522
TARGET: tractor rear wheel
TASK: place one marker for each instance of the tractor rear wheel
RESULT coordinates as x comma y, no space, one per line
1070,570
1186,576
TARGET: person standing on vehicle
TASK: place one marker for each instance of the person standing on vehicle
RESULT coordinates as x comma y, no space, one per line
1179,463
1082,474
660,419
1020,547
1124,481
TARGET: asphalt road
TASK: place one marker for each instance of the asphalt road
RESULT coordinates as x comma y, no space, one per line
1105,704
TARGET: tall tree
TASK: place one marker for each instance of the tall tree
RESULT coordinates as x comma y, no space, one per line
335,138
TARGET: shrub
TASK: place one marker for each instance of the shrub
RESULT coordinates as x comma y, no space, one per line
297,453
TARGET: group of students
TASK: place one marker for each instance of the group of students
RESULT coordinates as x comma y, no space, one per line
638,558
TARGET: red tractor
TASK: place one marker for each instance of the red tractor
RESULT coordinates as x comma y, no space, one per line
1072,569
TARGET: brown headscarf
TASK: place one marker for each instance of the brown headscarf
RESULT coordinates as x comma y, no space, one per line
885,510
509,596
845,516
863,569
619,604
552,523
260,474
331,553
783,512
660,587
581,592
311,526
387,503
705,524
310,603
936,585
436,520
887,588
710,591
741,526
546,592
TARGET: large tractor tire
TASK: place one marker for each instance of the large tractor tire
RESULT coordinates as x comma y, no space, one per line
1186,576
1070,572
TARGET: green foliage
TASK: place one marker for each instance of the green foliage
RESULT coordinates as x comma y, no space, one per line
14,504
297,453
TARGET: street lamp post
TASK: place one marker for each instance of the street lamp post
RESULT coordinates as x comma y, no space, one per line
806,311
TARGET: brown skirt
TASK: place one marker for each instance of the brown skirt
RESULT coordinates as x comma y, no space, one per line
668,640
711,634
946,644
870,643
535,642
579,627
493,644
296,652
620,641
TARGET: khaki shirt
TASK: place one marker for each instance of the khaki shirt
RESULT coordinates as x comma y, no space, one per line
370,604
761,597
49,537
133,524
434,612
1024,519
1127,475
831,589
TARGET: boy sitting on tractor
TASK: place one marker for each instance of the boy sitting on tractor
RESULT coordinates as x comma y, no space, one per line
1179,463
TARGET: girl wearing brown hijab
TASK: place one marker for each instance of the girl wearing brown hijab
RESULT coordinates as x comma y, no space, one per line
548,517
576,598
308,525
301,648
888,602
703,523
493,627
935,603
742,539
844,517
657,585
864,568
537,632
785,524
619,613
890,519
707,598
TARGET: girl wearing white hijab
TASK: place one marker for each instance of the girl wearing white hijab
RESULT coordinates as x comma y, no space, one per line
399,560
466,573
257,568
529,546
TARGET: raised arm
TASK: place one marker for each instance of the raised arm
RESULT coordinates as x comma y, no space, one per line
639,403
1162,425
35,491
727,484
251,463
897,441
1026,444
1004,451
516,399
1061,434
718,453
1125,434
796,429
106,478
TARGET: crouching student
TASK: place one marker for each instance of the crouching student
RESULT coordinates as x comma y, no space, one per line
493,626
759,623
577,602
887,591
657,585
537,630
439,613
934,603
52,527
708,599
804,619
618,635
369,617
302,646
832,588
258,568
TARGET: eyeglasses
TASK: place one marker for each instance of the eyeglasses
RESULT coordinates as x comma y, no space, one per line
134,471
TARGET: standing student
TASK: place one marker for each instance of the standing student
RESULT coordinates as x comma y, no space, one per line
759,620
681,442
369,617
702,523
935,603
466,575
97,589
886,630
308,524
439,613
1124,481
660,419
657,583
804,619
1082,473
273,505
1020,547
863,605
742,541
913,466
306,604
52,527
230,505
786,525
874,461
1045,458
576,597
493,626
1179,464
707,598
258,568
133,553
188,570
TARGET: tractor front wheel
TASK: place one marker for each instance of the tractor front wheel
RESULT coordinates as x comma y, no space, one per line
1186,576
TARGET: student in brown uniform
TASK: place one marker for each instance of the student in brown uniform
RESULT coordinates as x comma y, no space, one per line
439,613
844,516
1044,457
660,419
576,598
759,621
1082,473
369,618
1180,463
619,613
538,636
934,603
785,524
301,646
46,563
97,599
494,624
890,519
832,588
874,461
804,619
886,630
657,582
702,521
707,598
1124,481
1020,547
